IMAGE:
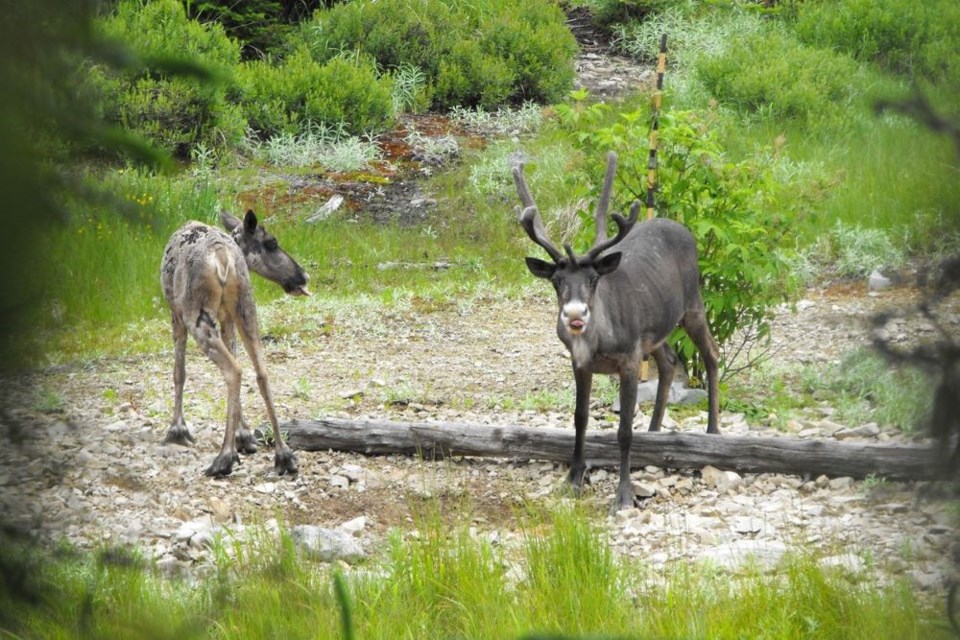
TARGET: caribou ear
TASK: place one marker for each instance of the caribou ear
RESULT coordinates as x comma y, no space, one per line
541,268
608,263
229,222
250,222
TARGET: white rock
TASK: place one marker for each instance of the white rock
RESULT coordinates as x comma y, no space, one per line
722,481
734,555
877,281
847,562
748,525
353,472
355,526
869,430
328,208
643,490
841,484
327,545
267,488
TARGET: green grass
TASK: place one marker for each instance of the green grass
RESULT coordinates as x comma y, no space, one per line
558,577
861,388
883,176
878,172
864,388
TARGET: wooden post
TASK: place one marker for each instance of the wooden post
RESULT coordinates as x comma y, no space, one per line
652,160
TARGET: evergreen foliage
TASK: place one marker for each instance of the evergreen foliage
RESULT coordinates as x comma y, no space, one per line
174,111
916,39
290,96
483,53
260,25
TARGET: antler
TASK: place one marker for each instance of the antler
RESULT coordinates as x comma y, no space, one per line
530,216
623,228
600,215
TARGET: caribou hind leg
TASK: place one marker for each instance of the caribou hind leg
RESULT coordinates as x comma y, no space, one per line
666,361
178,433
210,343
628,402
695,324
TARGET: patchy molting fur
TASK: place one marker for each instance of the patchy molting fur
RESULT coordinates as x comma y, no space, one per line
205,278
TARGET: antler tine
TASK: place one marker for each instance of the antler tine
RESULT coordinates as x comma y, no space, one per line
530,217
624,225
533,225
522,189
600,216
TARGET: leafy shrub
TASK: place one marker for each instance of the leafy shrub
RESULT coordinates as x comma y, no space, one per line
771,74
689,35
261,25
607,13
174,112
483,53
410,91
289,97
328,146
857,251
737,212
913,38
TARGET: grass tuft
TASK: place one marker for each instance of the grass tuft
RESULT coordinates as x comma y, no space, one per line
447,580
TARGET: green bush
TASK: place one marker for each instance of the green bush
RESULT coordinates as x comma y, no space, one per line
914,38
738,212
483,53
772,75
608,13
289,97
174,112
261,25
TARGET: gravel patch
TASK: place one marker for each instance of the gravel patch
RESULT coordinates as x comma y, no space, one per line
93,470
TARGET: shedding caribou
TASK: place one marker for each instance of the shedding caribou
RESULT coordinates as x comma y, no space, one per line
205,278
619,301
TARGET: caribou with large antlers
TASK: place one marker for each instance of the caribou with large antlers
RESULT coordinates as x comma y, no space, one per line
616,306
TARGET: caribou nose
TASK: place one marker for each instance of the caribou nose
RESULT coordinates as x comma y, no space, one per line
575,316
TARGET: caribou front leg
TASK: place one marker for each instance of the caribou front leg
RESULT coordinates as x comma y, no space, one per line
245,440
284,459
578,466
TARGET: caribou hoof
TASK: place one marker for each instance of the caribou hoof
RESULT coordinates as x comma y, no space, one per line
246,442
222,465
624,502
577,478
179,434
285,462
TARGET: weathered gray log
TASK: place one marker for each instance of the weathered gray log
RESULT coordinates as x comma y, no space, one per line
672,450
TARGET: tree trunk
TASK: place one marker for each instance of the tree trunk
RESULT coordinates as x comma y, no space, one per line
673,450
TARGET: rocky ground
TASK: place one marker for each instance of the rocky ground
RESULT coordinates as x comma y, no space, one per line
84,459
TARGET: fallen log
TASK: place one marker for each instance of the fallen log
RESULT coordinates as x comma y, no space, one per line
744,454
